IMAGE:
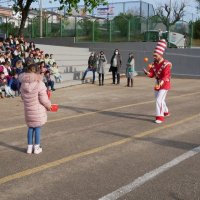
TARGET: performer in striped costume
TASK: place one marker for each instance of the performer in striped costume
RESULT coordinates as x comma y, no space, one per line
160,69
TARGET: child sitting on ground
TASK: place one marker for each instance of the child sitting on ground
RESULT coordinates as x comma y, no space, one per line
4,86
48,82
55,72
51,60
14,84
46,60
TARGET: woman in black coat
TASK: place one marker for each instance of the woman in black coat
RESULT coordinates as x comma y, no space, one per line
115,65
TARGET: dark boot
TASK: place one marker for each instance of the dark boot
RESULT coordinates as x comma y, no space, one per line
118,78
128,82
102,79
99,79
131,82
113,77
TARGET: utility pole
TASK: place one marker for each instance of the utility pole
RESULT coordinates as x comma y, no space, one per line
170,4
41,28
140,8
170,7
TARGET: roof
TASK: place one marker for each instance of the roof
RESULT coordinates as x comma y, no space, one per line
6,12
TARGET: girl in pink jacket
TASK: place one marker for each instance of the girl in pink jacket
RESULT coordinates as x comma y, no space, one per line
36,103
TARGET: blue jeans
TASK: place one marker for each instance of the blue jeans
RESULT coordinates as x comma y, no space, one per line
30,135
87,70
50,83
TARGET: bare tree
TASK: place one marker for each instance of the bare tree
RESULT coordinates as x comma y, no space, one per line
198,4
170,14
23,8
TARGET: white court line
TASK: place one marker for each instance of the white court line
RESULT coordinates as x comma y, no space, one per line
150,175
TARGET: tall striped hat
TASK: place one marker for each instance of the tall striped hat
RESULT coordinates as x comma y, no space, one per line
160,47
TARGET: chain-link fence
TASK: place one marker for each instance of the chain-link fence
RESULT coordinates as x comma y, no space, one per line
104,30
125,21
116,22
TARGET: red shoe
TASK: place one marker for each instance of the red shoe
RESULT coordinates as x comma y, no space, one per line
167,114
159,119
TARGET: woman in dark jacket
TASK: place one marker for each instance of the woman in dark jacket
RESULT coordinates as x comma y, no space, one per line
92,65
115,65
101,67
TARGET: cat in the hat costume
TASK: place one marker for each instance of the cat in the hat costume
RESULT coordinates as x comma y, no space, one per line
160,69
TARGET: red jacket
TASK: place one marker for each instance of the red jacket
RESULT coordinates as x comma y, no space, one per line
162,71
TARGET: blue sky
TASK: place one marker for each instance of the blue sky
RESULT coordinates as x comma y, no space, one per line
190,10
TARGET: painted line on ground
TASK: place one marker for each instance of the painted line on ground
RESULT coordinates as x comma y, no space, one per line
145,133
95,112
64,160
150,175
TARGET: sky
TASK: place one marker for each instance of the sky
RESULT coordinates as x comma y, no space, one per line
190,9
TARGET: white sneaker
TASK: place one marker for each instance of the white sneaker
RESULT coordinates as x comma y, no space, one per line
37,149
29,149
158,121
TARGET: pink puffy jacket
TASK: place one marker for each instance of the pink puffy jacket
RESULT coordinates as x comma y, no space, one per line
36,102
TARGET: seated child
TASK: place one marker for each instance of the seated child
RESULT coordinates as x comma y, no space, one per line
4,86
48,82
55,72
46,60
51,60
15,84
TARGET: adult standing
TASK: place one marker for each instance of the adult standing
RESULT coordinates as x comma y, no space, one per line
160,34
92,64
130,70
161,70
100,67
115,65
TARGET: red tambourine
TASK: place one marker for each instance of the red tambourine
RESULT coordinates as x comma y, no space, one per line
54,107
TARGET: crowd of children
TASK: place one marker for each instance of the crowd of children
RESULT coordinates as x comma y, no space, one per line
16,55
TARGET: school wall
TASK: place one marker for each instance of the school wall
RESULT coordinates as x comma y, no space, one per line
186,62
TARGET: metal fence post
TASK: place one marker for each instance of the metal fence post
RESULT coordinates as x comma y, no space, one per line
32,29
192,30
61,27
6,26
41,19
129,29
92,30
46,27
110,31
75,29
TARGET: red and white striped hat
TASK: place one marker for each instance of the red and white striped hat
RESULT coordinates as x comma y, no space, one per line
160,47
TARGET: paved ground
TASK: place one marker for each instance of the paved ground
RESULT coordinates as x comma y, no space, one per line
103,144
